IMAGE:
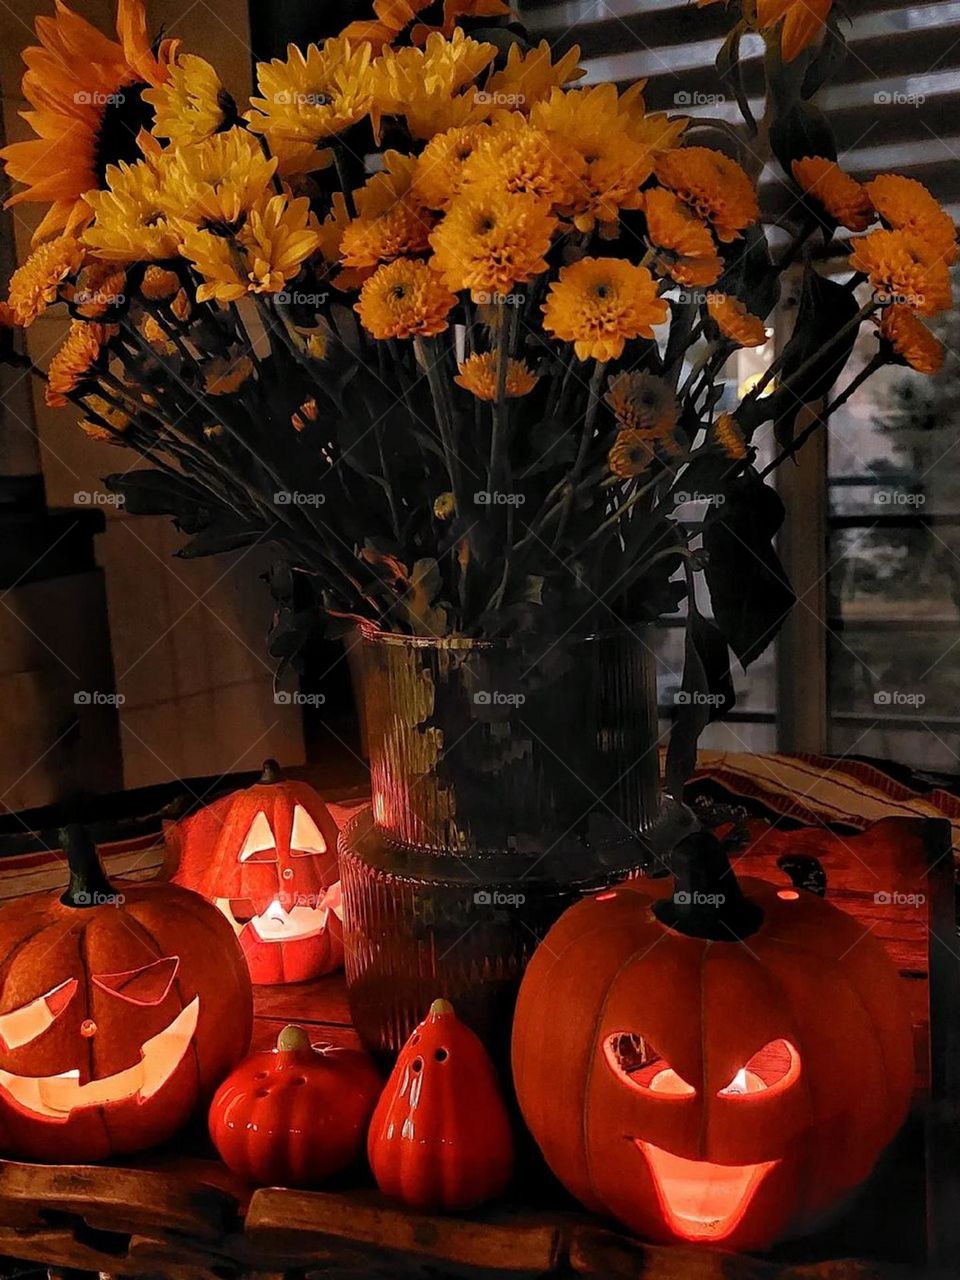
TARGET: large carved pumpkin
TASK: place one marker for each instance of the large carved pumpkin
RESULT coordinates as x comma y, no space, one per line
707,1064
121,1010
267,857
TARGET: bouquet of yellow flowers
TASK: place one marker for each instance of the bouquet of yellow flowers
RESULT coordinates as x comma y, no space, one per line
447,327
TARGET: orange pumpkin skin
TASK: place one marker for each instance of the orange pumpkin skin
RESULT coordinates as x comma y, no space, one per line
699,1163
246,853
440,1137
82,989
295,1115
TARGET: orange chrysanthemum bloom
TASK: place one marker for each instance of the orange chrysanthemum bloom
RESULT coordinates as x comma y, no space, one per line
491,240
72,366
159,284
902,269
438,176
641,401
100,286
478,375
713,185
399,230
911,339
404,299
734,320
635,451
87,95
688,242
36,285
530,77
224,377
598,304
518,157
727,434
844,199
803,20
907,205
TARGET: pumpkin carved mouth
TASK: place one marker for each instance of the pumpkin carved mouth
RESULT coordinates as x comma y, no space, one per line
701,1200
56,1097
278,923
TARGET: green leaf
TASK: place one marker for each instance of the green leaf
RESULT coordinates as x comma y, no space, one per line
803,131
218,539
730,71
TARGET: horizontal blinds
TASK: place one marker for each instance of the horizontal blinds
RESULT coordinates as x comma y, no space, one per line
895,103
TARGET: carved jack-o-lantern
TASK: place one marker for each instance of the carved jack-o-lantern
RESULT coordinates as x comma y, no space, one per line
121,1009
267,857
708,1061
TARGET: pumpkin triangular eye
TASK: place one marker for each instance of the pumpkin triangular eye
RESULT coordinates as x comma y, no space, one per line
306,836
634,1059
260,844
775,1066
148,985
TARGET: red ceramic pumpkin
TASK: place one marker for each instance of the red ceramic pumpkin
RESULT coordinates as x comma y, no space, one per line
712,1063
440,1136
121,1010
295,1115
267,857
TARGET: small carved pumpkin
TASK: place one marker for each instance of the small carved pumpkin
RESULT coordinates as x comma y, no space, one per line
440,1136
267,857
294,1115
121,1009
708,1061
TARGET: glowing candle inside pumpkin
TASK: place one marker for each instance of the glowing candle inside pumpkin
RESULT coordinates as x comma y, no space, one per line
744,1082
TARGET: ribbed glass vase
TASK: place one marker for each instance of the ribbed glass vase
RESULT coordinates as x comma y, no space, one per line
507,780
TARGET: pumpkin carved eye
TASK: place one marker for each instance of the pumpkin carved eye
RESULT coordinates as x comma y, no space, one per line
145,986
306,837
20,1026
634,1060
260,844
771,1069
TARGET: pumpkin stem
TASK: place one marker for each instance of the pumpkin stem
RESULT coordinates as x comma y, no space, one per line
89,886
293,1039
440,1007
271,773
707,900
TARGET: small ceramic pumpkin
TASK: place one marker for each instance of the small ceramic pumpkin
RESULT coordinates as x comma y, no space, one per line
121,1010
708,1061
267,857
295,1115
440,1137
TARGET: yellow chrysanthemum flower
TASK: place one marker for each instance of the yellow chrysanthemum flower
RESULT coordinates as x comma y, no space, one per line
803,21
906,205
36,285
405,299
439,173
598,304
192,104
215,183
727,435
491,240
100,287
734,320
445,506
518,157
390,222
642,401
904,269
424,85
115,421
130,216
844,199
911,339
529,77
72,365
691,256
714,186
159,284
156,335
225,377
634,451
478,375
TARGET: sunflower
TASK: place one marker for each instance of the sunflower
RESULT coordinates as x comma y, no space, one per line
529,77
423,85
600,303
214,184
130,222
906,205
404,299
269,250
727,435
390,223
72,366
225,377
688,242
439,172
641,401
491,240
192,104
87,95
36,285
519,157
478,375
911,339
635,451
803,20
714,186
311,97
902,268
734,320
845,200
